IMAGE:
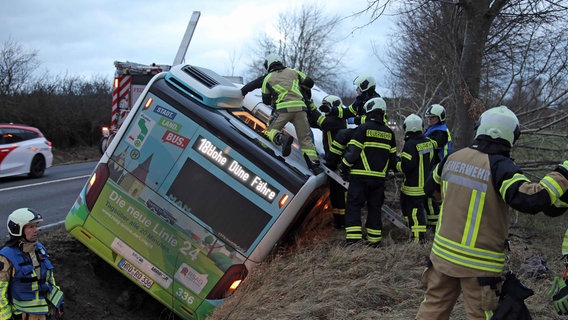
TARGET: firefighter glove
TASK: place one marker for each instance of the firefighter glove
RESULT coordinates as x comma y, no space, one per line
325,108
344,171
334,111
559,293
563,169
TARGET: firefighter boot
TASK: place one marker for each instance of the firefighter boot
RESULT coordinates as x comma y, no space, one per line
285,140
338,221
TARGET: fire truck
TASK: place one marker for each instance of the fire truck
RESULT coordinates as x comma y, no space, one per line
130,79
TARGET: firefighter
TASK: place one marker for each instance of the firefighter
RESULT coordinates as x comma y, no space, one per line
439,134
415,164
285,89
370,153
366,90
355,114
27,284
330,126
479,183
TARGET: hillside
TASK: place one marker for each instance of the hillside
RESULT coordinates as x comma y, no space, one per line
317,279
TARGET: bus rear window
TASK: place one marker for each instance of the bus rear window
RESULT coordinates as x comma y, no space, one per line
232,217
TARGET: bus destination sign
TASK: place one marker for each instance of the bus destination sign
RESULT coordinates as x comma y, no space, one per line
238,171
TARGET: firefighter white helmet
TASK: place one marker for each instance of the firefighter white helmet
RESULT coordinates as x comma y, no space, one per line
334,101
270,59
412,123
364,82
375,104
436,110
19,218
499,123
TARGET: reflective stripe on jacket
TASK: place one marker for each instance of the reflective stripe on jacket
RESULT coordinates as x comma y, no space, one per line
372,150
415,163
284,88
477,188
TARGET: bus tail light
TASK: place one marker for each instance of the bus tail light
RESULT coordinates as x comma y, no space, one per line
148,103
229,282
95,185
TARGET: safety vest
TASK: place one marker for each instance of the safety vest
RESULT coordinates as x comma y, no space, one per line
284,85
445,149
30,292
474,219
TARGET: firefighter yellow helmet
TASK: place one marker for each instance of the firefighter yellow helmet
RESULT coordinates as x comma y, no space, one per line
19,218
375,104
334,101
412,123
499,123
436,110
364,82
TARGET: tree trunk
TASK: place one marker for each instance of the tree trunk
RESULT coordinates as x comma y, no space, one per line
479,17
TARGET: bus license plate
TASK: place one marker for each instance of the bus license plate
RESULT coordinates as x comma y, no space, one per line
135,273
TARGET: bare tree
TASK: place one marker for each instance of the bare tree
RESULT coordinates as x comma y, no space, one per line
306,43
472,53
16,65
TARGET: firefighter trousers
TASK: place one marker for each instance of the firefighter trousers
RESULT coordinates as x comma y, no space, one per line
412,208
300,121
363,190
442,292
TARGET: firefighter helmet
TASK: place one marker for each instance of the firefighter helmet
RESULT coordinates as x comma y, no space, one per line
270,59
499,123
334,101
436,110
375,104
412,123
19,218
364,82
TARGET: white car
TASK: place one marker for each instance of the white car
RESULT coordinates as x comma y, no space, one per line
23,150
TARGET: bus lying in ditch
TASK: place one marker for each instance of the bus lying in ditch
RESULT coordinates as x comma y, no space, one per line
189,196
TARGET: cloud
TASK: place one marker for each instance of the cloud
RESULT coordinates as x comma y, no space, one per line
85,37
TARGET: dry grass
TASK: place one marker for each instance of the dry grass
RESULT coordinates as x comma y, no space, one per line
75,155
324,280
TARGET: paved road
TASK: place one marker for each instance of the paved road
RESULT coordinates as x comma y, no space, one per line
53,194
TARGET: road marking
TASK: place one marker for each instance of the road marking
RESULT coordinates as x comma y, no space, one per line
46,182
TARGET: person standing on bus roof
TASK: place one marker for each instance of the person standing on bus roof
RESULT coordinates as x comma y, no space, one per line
27,284
439,134
370,153
285,89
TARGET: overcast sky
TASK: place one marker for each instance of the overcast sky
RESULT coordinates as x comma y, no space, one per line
84,38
